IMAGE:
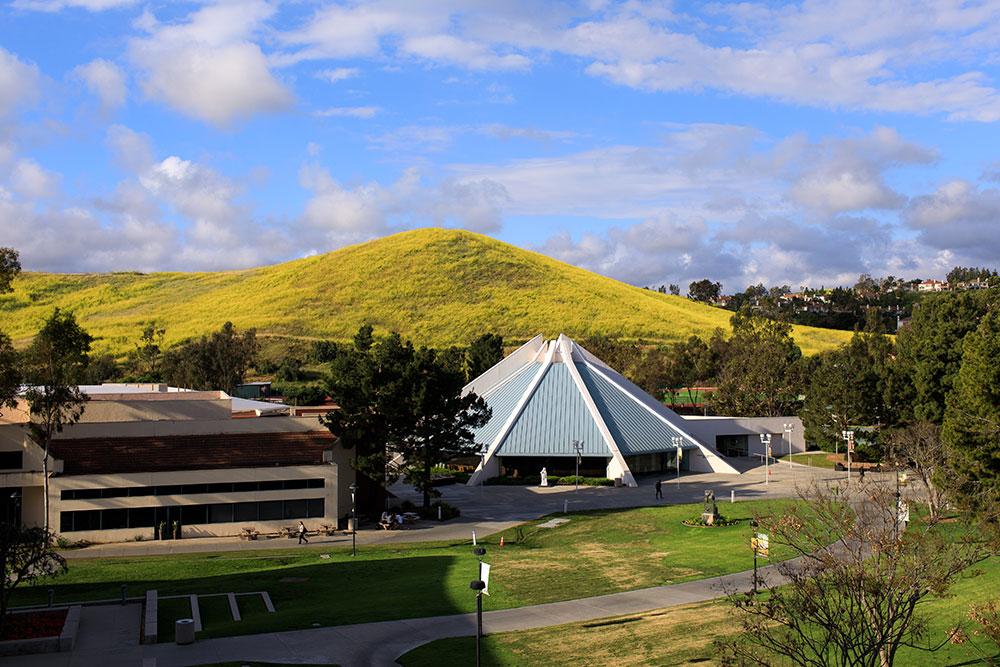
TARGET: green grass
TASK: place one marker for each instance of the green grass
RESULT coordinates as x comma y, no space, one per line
435,286
167,612
683,635
594,553
816,459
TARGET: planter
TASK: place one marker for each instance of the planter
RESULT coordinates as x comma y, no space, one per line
57,627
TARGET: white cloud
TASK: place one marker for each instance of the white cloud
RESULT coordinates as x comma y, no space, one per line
104,79
59,5
960,217
19,82
347,112
132,150
338,74
31,180
209,67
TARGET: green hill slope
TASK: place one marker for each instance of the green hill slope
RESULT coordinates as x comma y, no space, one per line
435,286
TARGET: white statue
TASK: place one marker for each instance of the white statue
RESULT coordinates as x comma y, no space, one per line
545,477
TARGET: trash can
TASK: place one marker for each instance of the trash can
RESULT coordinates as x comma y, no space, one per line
184,631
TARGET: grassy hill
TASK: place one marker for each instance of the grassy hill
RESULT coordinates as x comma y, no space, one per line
435,286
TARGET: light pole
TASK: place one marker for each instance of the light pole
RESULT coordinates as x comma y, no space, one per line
578,447
765,439
788,441
677,457
849,437
482,469
354,518
479,585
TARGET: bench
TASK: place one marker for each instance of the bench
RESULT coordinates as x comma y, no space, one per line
249,533
328,529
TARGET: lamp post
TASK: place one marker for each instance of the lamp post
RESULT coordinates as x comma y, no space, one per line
765,439
479,585
788,441
354,518
578,447
677,457
482,469
849,437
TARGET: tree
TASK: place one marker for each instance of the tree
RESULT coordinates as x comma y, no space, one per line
704,290
442,420
10,376
930,348
54,364
852,595
761,376
845,391
972,420
146,358
484,353
918,447
674,289
400,410
220,361
10,267
26,554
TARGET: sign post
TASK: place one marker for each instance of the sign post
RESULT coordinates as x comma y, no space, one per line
759,543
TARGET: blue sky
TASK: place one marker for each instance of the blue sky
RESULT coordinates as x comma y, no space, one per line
798,143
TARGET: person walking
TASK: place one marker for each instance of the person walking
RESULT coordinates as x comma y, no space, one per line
659,490
302,533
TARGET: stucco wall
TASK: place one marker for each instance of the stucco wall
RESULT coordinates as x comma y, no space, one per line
707,428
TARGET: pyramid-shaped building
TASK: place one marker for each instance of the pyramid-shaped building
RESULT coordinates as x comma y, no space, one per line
552,400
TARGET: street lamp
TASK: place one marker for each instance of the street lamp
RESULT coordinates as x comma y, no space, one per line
354,518
765,439
788,441
482,469
849,437
479,585
677,457
578,447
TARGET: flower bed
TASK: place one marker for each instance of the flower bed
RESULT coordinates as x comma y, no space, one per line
33,625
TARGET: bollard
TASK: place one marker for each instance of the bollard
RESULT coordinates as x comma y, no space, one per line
439,512
732,496
565,506
473,538
52,594
124,592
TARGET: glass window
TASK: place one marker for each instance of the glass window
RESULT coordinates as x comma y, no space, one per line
111,519
296,483
118,492
170,490
140,517
271,485
191,514
316,483
272,510
195,488
65,522
222,487
246,512
11,460
244,486
221,513
315,507
295,509
136,491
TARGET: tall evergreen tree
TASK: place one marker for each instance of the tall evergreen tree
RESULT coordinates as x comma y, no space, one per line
930,350
972,420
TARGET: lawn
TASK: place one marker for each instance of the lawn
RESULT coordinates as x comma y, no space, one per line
593,553
816,459
685,634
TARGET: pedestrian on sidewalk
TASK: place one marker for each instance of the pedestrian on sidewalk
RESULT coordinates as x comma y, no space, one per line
302,533
659,490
